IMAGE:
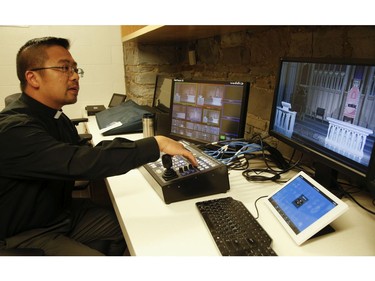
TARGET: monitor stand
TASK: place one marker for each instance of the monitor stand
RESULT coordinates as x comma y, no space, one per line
327,177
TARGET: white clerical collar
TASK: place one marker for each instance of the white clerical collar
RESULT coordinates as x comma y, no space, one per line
58,114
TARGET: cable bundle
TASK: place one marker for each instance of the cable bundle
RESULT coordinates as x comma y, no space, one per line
232,152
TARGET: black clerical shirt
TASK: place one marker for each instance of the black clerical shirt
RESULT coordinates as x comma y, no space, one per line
40,158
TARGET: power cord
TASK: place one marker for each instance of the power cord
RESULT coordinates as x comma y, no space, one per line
275,175
255,205
359,204
258,177
349,193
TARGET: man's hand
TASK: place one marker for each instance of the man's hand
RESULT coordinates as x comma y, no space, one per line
173,147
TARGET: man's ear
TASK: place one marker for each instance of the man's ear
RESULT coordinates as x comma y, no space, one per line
32,79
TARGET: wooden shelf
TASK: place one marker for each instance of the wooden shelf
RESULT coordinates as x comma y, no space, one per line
156,34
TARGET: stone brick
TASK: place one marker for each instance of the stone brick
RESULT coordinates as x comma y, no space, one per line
260,102
329,42
208,51
301,44
146,78
232,55
256,122
268,46
234,39
359,39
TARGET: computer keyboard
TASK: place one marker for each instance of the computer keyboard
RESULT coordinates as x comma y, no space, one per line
234,229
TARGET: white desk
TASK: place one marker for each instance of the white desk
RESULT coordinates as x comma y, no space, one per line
153,228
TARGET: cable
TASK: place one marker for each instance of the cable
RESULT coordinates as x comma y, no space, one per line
255,205
275,174
350,196
360,205
241,163
258,177
232,153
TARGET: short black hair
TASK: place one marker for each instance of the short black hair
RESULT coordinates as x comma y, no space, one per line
32,55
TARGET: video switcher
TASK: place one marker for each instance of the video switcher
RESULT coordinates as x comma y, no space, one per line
175,179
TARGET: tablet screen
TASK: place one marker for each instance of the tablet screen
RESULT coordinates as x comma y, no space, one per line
301,204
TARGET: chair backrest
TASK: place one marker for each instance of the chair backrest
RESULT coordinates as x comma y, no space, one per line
9,99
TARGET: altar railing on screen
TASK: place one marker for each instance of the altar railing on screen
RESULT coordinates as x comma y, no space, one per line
346,138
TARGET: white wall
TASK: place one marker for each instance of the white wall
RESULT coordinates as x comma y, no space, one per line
97,49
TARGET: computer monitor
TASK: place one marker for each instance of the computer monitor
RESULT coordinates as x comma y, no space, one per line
326,108
208,111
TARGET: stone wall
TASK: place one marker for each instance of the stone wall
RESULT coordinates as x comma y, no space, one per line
250,55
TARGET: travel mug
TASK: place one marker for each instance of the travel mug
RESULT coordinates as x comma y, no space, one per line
148,124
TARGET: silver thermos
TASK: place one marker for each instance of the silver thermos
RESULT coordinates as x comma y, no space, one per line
148,124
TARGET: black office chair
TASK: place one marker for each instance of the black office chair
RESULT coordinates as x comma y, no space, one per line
85,138
9,99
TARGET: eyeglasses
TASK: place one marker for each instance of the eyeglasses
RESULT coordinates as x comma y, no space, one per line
69,70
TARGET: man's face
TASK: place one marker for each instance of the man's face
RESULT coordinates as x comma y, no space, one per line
57,87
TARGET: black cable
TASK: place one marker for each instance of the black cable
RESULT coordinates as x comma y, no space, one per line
350,192
275,173
291,167
258,176
239,164
351,188
359,204
291,157
255,204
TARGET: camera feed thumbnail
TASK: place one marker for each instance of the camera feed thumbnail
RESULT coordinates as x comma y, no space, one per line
206,112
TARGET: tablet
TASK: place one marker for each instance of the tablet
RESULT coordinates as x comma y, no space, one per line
304,207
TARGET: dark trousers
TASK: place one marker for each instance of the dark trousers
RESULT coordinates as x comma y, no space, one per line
90,231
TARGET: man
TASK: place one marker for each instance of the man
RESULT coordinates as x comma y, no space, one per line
40,159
